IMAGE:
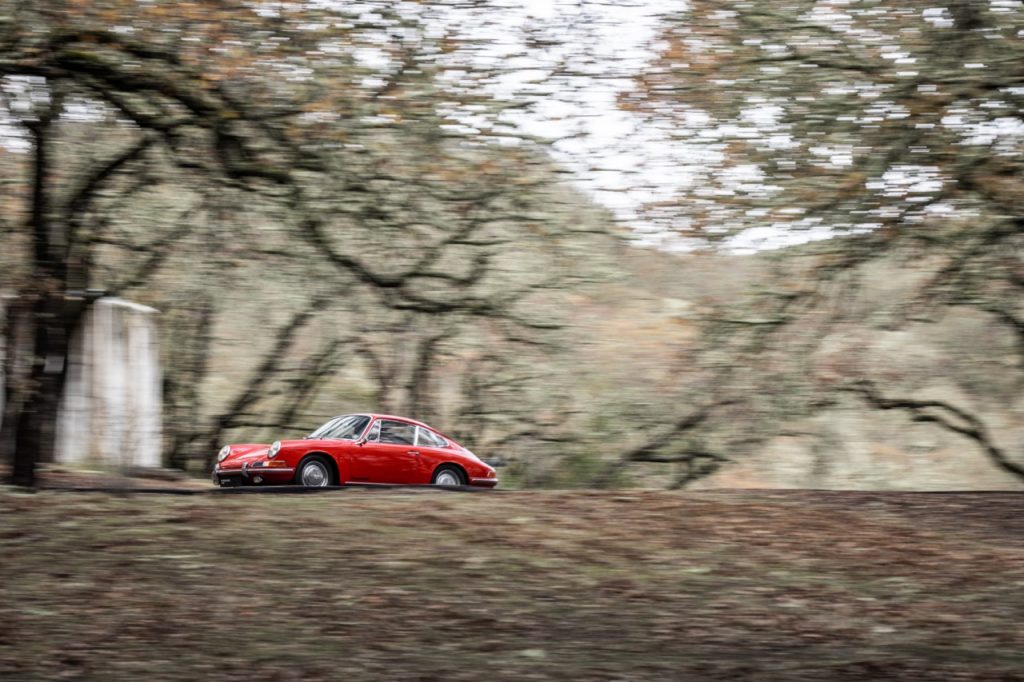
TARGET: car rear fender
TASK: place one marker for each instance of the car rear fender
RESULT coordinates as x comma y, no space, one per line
456,465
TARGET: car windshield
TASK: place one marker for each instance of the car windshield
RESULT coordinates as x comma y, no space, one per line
342,428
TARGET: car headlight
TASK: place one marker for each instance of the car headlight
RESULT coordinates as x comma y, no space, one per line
274,448
224,452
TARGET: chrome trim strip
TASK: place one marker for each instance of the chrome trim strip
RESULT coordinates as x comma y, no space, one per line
254,471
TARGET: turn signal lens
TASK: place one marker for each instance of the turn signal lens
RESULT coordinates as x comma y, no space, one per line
276,464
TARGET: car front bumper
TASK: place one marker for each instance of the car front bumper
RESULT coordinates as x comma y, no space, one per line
483,482
251,475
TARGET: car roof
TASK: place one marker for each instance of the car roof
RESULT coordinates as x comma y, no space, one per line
377,415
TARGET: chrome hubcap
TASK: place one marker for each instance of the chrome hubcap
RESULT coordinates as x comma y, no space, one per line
447,478
314,475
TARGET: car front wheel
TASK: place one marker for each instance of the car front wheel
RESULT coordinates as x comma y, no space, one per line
448,476
314,473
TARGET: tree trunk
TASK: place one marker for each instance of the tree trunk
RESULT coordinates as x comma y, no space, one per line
49,315
16,355
181,388
36,425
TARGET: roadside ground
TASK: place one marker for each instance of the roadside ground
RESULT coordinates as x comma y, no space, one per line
424,585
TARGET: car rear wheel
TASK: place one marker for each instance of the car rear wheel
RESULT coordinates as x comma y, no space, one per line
448,476
314,473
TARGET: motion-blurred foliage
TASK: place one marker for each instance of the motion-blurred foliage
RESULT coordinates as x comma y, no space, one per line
338,206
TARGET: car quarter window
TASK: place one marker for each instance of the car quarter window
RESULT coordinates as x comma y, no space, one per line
429,439
397,432
374,433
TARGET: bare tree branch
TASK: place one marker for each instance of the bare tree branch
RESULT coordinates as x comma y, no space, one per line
947,416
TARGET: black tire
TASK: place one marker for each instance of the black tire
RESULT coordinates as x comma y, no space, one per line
448,476
314,472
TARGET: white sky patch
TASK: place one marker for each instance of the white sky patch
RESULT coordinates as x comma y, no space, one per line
540,9
596,50
938,16
1005,130
780,235
907,180
12,136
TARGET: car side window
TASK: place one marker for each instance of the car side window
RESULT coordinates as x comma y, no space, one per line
398,433
429,438
374,434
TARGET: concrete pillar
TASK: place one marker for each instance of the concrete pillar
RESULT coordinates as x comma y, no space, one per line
111,410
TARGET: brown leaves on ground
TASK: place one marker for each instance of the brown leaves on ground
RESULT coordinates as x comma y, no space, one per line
427,585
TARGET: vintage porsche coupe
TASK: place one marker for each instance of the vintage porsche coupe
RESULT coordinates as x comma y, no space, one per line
356,448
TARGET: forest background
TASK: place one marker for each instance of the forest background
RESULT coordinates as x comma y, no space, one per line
610,245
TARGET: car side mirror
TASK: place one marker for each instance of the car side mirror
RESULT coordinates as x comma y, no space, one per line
361,442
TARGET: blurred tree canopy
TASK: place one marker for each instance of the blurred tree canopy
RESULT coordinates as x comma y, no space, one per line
335,118
841,118
891,124
340,206
891,129
151,75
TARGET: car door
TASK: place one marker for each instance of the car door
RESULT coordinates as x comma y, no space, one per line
389,455
363,456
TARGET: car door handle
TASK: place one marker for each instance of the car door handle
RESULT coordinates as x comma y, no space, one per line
414,452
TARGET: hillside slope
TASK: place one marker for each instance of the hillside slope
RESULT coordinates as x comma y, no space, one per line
677,331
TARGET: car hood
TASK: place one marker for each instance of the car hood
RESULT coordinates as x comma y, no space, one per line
304,442
246,452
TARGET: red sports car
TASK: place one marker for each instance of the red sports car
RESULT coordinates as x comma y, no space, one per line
356,448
